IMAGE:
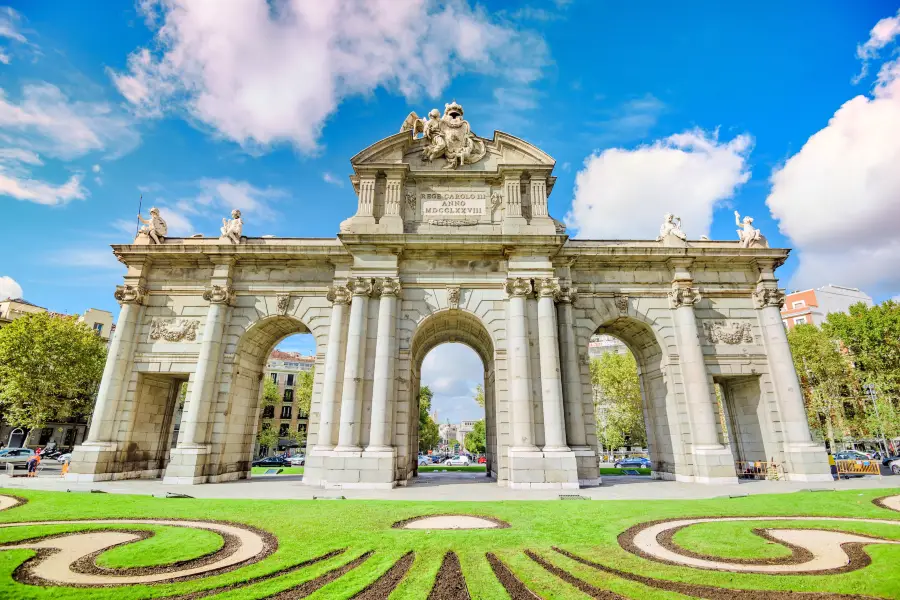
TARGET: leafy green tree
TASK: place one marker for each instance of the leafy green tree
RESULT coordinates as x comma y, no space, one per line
267,436
827,380
871,336
271,396
479,395
617,400
476,440
50,369
429,436
304,390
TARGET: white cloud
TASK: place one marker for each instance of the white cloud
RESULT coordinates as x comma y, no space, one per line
12,155
838,198
227,195
4,57
625,193
634,119
884,32
95,168
86,258
330,178
46,120
261,73
9,288
9,24
452,371
41,192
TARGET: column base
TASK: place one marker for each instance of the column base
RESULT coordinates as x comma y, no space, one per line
588,469
187,465
806,462
351,469
713,465
94,461
543,469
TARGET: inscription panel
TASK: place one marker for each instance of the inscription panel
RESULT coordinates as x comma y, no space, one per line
442,205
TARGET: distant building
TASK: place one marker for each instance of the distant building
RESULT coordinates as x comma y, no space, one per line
101,321
813,306
13,308
601,344
283,368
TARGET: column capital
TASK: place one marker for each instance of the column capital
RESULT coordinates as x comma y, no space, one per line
388,286
219,294
130,294
518,287
360,286
338,294
548,287
567,295
681,295
765,296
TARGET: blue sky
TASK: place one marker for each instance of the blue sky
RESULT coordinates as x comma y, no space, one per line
788,113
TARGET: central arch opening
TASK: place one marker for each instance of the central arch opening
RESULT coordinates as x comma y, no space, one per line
452,353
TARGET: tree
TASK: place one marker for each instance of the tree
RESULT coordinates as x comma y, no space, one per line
267,436
826,378
617,400
479,395
476,440
304,390
429,436
50,369
271,395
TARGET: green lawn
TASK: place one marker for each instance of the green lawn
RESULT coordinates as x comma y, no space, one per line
589,529
617,471
284,470
437,468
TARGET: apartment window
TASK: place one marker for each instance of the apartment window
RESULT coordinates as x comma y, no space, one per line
283,429
302,414
98,328
800,320
798,304
290,379
286,412
268,412
288,395
274,377
301,427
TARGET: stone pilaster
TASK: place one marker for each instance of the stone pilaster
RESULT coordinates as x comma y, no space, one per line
522,423
339,296
713,461
551,383
805,460
354,366
392,221
366,210
514,219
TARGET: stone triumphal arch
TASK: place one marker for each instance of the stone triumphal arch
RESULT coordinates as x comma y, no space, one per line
451,241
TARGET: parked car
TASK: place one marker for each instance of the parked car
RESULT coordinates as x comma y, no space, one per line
64,458
297,461
895,466
424,461
852,455
633,463
15,455
271,461
887,460
458,461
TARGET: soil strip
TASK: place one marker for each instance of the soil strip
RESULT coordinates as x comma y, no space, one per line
584,586
713,593
308,587
449,583
384,585
798,555
514,586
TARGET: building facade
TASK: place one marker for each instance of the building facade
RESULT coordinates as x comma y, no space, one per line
812,307
451,241
284,369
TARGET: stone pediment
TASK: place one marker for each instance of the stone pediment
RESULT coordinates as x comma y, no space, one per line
437,176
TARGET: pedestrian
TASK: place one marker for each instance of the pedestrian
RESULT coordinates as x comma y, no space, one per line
32,464
832,465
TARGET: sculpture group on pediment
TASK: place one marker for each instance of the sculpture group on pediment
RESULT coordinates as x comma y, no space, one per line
155,227
671,226
449,136
174,330
749,236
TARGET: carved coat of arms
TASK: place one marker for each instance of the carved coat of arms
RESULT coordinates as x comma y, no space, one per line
448,136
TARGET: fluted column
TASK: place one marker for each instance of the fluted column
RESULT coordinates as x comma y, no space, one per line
522,426
354,366
573,393
551,381
383,386
704,432
115,374
193,422
339,296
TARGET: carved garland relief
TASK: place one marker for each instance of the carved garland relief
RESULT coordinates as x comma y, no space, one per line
174,330
728,333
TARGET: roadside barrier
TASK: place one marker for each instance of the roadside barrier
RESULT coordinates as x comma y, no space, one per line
759,469
857,467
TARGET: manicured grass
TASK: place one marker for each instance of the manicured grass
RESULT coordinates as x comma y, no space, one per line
284,470
469,469
307,529
617,471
